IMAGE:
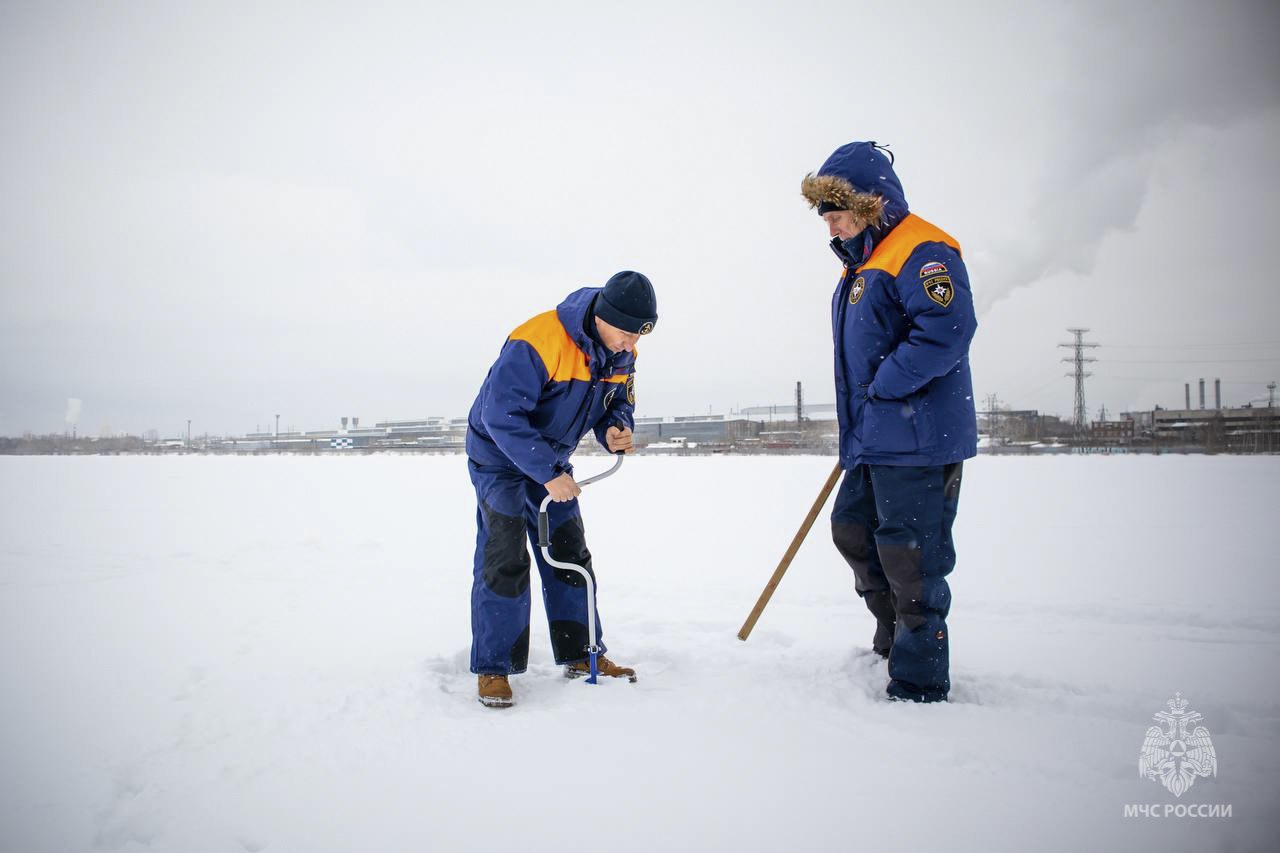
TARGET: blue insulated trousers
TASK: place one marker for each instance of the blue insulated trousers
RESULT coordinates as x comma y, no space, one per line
507,514
892,524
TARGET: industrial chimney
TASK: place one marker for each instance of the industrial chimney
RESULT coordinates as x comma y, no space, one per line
1201,393
344,424
1188,396
1217,393
355,423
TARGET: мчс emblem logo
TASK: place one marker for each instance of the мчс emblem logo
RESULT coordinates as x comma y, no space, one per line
940,289
859,288
646,328
1177,755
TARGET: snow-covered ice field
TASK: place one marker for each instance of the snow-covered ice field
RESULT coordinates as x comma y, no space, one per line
244,654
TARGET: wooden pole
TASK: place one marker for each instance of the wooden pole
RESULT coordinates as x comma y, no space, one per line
832,479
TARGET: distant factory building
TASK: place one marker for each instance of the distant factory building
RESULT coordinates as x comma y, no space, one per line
422,434
1243,430
700,429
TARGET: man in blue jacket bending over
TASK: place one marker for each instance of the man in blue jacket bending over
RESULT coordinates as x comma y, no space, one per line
903,318
559,375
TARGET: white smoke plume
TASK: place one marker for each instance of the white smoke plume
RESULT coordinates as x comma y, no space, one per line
1176,66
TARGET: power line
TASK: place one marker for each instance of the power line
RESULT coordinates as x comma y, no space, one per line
1194,361
1178,379
1195,346
1024,395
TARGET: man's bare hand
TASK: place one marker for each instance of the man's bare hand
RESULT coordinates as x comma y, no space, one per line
619,438
562,488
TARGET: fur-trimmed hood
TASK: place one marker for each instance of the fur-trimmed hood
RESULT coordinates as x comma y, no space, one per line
858,177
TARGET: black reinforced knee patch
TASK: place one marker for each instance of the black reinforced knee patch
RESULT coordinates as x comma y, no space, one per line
569,545
854,545
506,560
901,565
851,541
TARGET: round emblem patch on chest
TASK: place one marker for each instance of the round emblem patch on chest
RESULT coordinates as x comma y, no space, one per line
859,288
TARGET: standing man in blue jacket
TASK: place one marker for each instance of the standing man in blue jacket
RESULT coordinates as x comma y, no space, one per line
560,375
902,316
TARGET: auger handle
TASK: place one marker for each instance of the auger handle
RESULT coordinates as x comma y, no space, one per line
544,524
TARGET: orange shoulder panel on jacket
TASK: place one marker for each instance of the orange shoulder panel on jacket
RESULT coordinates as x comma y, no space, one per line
560,355
893,251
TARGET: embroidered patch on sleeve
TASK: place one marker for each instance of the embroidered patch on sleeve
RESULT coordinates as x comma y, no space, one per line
932,268
940,290
859,288
631,389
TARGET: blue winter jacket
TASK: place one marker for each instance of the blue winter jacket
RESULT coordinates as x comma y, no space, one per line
551,384
902,317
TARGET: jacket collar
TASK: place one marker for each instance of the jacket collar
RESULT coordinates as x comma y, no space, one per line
573,314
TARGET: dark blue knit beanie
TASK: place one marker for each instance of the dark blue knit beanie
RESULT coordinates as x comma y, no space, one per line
627,302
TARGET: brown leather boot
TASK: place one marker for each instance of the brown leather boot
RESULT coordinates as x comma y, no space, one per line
605,667
495,692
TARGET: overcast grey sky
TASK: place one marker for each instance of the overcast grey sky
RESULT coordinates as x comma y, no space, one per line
224,211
